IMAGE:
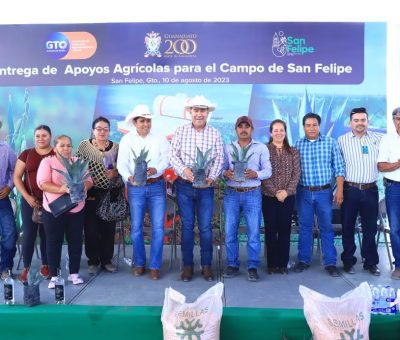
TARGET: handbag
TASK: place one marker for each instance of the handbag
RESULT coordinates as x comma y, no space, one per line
112,206
37,215
37,212
61,205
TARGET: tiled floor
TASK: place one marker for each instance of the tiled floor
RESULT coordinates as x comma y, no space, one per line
271,291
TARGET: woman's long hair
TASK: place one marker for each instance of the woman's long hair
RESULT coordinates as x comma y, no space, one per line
286,145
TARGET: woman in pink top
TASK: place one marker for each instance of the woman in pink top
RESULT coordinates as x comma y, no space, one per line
69,223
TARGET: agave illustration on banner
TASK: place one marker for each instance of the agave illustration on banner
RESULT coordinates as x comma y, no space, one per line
201,164
239,162
141,162
75,175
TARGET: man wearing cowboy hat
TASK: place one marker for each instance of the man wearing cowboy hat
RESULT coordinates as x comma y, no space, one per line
185,143
152,195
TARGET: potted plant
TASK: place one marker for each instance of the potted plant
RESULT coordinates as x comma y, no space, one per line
75,175
140,173
239,162
201,164
31,288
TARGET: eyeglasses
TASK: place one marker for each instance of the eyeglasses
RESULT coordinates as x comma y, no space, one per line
64,145
99,129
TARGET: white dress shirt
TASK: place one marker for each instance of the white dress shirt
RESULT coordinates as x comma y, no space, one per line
389,151
158,147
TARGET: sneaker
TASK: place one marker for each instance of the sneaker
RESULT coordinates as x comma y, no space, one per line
109,268
252,274
5,275
75,279
349,269
230,272
92,269
24,275
300,267
396,274
332,270
52,283
373,269
44,271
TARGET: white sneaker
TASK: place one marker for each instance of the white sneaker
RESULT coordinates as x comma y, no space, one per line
75,279
52,283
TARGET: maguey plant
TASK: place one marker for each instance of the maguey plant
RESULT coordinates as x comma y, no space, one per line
239,161
140,172
200,167
75,175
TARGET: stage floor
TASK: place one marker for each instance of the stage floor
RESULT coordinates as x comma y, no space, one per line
271,291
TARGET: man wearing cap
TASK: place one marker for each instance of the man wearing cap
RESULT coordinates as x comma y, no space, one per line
152,196
389,164
244,196
321,161
359,149
196,201
8,232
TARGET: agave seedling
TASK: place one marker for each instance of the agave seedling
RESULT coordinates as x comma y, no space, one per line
75,175
140,173
201,164
239,162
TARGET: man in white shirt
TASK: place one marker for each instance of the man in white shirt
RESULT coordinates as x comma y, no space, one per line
389,164
152,195
359,149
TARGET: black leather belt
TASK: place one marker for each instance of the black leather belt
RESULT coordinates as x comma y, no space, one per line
361,186
390,180
317,188
153,180
243,189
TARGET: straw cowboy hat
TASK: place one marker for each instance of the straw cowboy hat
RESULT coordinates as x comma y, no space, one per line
139,111
201,102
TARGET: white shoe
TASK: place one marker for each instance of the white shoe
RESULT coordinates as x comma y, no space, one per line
52,283
75,279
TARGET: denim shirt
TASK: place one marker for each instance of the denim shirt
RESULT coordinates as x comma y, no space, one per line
258,162
7,165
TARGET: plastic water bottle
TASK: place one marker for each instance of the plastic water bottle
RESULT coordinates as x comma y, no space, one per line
375,299
60,289
9,289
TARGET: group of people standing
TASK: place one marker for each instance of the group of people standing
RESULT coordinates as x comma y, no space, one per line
277,178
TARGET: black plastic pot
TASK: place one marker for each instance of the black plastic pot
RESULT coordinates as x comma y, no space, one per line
140,174
239,168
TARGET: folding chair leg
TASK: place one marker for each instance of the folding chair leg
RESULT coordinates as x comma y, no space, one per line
388,250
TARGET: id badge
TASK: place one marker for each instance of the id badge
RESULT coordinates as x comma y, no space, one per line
364,149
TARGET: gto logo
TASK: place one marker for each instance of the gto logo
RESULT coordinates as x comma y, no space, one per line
181,46
56,45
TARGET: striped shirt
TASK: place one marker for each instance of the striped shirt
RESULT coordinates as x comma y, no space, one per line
320,161
185,142
360,156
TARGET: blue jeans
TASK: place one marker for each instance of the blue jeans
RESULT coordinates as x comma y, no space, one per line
250,204
392,196
152,197
366,203
320,204
8,235
193,202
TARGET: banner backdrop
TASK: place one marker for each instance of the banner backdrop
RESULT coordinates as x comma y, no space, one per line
66,75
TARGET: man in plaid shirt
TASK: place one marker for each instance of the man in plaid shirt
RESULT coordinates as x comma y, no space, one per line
321,161
196,201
